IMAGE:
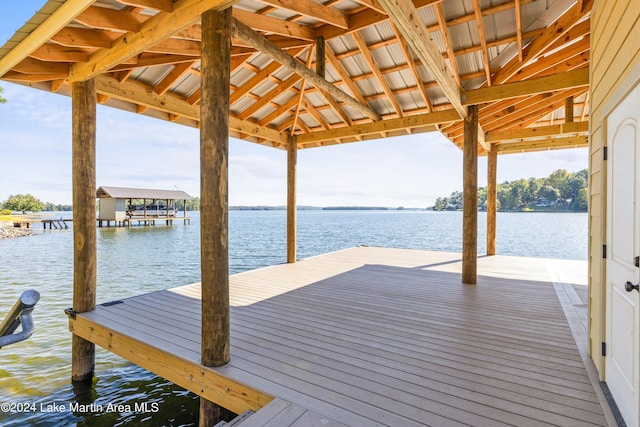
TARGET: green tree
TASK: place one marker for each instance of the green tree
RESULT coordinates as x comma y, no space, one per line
519,191
574,185
559,180
532,192
2,100
581,201
23,203
550,193
503,194
482,197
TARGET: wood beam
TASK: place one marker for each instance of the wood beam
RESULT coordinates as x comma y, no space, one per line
492,167
214,187
548,37
320,57
271,95
275,25
566,80
568,110
413,67
405,16
300,96
389,125
446,39
84,38
188,374
83,107
245,33
312,10
292,159
176,47
344,75
542,145
34,66
63,15
55,52
178,71
365,51
161,5
110,19
260,77
153,30
470,198
538,132
518,18
477,10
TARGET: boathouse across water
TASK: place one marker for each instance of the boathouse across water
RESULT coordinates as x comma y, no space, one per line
127,206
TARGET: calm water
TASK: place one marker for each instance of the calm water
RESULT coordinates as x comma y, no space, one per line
36,373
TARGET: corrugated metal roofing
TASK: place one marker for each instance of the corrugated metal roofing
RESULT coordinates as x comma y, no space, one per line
140,193
462,35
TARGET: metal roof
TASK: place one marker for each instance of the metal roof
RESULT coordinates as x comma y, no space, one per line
484,43
140,193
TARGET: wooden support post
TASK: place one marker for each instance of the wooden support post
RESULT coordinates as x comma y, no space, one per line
492,167
83,104
214,153
470,197
292,158
320,57
568,110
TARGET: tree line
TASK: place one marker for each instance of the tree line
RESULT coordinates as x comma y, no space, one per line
561,190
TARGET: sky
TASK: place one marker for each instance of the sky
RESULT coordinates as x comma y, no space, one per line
138,151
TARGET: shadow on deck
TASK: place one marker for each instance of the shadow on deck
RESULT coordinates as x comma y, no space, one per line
372,336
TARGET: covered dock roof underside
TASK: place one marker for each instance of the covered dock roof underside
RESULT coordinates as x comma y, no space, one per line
331,71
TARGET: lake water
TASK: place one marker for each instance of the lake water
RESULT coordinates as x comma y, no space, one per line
35,374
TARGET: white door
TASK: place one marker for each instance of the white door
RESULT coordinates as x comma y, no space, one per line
623,246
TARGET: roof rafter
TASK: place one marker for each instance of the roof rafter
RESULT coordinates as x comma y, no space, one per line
483,39
42,33
245,33
542,145
274,25
153,30
110,19
405,16
547,38
566,80
446,39
401,123
162,5
539,131
368,58
266,99
313,10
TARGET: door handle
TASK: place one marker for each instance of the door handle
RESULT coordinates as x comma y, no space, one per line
629,287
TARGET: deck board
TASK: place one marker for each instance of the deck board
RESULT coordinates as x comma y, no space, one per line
374,336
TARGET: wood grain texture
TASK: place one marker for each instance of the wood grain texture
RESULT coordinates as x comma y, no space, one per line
376,336
83,106
470,197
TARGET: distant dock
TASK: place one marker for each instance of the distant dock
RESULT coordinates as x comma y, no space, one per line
57,224
65,223
145,220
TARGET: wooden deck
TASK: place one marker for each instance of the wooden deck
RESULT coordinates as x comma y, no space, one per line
373,336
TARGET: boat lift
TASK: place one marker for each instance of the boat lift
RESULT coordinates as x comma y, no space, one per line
20,313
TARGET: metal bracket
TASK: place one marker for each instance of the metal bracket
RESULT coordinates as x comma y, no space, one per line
71,313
